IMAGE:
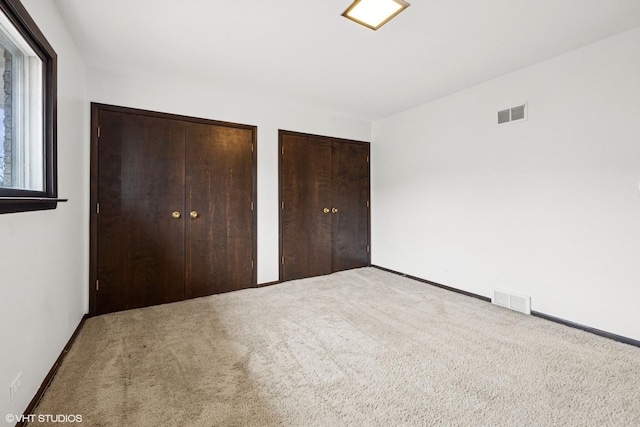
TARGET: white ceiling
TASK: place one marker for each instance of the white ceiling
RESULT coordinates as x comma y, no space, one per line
304,52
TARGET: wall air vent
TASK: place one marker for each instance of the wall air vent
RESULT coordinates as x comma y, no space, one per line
512,300
513,114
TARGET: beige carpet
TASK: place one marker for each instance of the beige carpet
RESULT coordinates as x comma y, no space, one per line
357,348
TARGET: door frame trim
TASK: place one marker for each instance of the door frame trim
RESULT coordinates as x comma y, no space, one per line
281,133
96,108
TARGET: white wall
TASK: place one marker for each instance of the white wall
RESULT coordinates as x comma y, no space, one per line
44,255
549,207
197,99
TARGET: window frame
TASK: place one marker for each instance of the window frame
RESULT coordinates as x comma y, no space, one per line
18,200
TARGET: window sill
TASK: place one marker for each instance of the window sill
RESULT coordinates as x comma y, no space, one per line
25,204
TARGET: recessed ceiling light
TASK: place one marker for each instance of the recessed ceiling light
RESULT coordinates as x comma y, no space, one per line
374,13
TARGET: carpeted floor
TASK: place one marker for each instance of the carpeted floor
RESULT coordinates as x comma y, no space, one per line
356,348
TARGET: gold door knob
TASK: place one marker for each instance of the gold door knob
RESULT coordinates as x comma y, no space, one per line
193,214
334,210
325,210
175,215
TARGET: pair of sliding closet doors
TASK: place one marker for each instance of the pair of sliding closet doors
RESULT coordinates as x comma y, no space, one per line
174,208
324,202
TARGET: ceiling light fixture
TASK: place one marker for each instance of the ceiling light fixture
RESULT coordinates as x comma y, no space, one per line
374,13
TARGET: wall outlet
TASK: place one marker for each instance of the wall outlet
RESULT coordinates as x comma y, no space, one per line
15,386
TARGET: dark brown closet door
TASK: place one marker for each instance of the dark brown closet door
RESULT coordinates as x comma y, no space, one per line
140,252
305,179
350,205
219,209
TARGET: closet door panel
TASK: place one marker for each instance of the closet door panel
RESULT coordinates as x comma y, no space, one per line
319,199
305,178
350,196
219,187
140,253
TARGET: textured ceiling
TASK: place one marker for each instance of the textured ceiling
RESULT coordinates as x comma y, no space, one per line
304,52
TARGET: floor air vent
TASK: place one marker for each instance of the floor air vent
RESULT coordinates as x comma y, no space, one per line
511,300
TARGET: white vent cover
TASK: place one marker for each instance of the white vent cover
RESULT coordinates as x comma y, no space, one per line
512,300
513,114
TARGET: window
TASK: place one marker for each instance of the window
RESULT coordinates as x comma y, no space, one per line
27,113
